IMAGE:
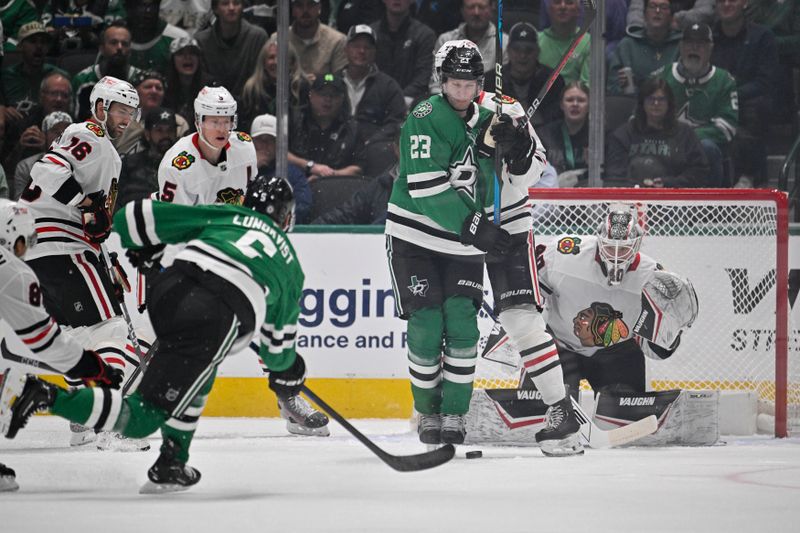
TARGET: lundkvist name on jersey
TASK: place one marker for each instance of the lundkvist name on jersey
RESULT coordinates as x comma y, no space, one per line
255,223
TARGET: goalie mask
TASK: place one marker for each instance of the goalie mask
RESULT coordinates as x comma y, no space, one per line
272,197
619,240
16,223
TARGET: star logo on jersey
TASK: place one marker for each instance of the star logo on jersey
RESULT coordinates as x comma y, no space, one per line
183,160
418,286
94,128
464,173
230,196
569,245
242,136
423,109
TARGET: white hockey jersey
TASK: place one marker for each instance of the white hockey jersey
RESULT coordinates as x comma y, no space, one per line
22,307
585,313
515,204
79,163
186,177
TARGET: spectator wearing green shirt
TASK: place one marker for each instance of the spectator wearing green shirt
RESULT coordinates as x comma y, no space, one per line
556,39
22,81
13,14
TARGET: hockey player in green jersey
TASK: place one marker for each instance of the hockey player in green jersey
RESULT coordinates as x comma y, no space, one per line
437,235
237,272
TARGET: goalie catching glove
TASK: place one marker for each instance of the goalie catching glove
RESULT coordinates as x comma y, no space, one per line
478,231
516,145
669,304
93,371
96,218
288,382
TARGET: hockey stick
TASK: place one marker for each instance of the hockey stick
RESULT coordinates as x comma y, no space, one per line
11,356
401,463
600,438
498,98
589,13
592,435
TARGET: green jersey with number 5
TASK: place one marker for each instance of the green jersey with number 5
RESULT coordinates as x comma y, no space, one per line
442,179
240,245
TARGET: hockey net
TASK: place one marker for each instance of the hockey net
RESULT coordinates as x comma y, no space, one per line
733,246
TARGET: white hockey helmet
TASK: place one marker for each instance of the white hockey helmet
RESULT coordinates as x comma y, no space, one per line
619,240
214,102
16,222
110,89
442,52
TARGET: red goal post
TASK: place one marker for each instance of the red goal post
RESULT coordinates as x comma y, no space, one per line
733,245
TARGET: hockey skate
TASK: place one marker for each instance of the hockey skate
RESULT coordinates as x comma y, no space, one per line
429,429
168,474
561,437
80,435
301,418
8,479
111,441
36,395
454,429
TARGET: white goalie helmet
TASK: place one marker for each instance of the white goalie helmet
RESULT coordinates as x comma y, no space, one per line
15,222
110,89
619,240
442,52
214,102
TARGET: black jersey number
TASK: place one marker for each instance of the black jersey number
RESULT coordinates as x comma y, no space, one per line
35,294
168,194
78,149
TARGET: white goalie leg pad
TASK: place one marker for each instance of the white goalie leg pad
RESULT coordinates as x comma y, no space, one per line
12,381
539,355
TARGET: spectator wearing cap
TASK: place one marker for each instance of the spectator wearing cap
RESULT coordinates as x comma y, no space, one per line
319,47
264,131
53,125
524,76
139,175
150,35
13,15
644,50
685,13
404,49
555,40
478,28
375,100
186,75
323,138
705,96
113,60
747,50
22,81
260,89
231,46
151,86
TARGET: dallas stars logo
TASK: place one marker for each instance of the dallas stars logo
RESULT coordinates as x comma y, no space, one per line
463,174
418,287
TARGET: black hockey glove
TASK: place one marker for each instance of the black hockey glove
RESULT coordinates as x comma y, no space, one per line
289,382
93,371
96,219
479,232
516,144
119,278
148,259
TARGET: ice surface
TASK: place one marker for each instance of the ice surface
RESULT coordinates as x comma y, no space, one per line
258,478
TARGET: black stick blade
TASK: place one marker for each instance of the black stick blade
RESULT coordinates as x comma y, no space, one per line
401,463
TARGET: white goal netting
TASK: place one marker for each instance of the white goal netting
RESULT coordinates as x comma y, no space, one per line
733,247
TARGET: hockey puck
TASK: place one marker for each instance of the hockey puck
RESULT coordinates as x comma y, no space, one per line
477,454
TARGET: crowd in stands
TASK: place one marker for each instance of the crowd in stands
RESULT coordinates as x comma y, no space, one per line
699,83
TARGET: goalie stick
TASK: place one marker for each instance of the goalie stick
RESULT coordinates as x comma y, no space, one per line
401,463
589,13
591,434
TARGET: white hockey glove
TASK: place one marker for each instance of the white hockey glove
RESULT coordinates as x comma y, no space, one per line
669,304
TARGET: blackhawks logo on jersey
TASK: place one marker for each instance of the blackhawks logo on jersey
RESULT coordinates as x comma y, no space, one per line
94,128
423,109
569,245
600,325
183,160
230,196
242,136
507,99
